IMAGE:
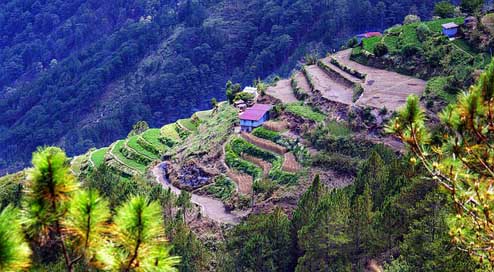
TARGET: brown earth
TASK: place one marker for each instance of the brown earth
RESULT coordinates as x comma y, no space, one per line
244,182
282,91
276,125
264,144
302,82
265,166
382,88
328,87
290,163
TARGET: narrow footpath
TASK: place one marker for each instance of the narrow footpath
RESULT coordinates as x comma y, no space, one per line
210,207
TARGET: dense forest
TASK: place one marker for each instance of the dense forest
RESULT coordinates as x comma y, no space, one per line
80,73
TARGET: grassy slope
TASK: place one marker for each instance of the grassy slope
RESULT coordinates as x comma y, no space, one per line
130,163
305,112
98,156
170,131
407,34
132,143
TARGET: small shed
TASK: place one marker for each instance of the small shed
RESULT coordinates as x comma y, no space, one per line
361,37
450,29
254,117
240,104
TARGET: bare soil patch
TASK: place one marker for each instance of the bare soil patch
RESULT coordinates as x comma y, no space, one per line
282,91
382,88
276,125
302,82
290,163
264,144
265,166
329,88
244,182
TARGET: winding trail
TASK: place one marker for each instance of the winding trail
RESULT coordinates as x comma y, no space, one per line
210,207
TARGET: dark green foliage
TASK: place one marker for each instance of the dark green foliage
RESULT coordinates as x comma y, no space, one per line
471,6
261,243
222,188
241,146
324,239
267,134
380,49
423,32
337,162
358,90
444,9
232,90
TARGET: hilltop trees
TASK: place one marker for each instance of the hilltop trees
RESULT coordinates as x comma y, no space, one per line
444,9
460,160
471,6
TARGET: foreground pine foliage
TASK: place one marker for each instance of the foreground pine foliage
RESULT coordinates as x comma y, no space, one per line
62,221
138,241
14,251
461,160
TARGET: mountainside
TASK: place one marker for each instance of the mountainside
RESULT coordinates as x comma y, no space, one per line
78,74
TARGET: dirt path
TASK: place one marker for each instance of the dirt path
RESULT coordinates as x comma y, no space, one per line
328,87
210,207
282,91
382,88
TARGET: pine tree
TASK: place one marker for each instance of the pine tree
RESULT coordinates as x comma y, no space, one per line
461,163
375,174
361,223
86,223
50,186
325,239
138,242
14,251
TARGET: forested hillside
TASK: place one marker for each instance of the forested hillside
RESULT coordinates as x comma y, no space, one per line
80,73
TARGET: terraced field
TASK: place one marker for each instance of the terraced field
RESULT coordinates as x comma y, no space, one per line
382,88
98,156
282,91
187,124
132,143
116,151
329,88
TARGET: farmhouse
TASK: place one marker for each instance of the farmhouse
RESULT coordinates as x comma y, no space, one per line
254,116
366,35
450,29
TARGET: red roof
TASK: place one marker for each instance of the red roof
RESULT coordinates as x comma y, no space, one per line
373,34
255,112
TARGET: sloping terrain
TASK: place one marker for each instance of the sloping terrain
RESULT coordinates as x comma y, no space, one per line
382,88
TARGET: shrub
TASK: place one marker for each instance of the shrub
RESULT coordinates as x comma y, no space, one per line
264,186
410,19
299,93
410,50
423,32
380,50
358,90
240,146
337,162
223,188
444,9
267,134
244,96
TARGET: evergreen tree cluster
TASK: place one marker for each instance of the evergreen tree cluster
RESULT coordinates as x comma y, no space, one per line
390,214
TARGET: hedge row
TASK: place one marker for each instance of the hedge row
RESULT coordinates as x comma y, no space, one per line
234,161
267,134
240,146
299,93
347,69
